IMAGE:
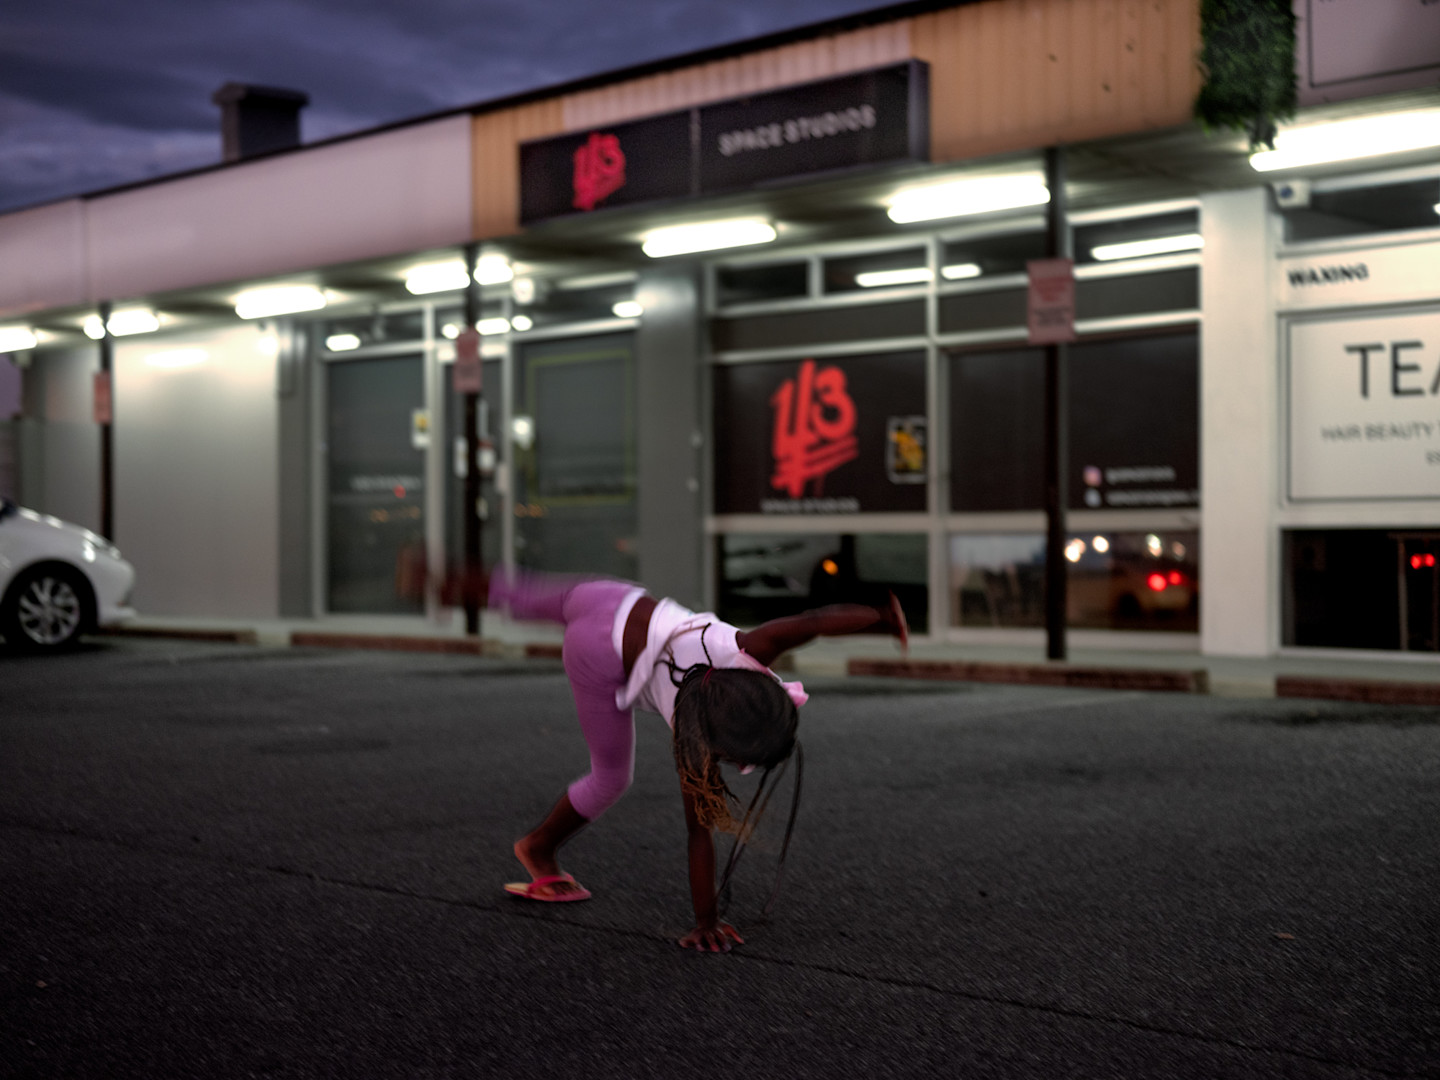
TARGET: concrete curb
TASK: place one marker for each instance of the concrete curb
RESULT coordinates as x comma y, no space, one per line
394,643
229,637
1185,682
1380,691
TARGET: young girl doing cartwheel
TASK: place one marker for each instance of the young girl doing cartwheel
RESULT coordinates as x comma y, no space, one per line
710,681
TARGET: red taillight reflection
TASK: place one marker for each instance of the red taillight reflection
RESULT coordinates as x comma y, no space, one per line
1156,582
1417,561
1176,578
399,491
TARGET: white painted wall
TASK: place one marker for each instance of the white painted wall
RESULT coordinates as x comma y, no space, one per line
397,191
197,473
1240,419
42,258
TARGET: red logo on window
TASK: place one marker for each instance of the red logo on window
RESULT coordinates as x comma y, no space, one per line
814,428
599,170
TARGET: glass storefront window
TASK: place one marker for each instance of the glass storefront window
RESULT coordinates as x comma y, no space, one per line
1137,238
768,575
1362,589
876,270
372,328
556,303
449,321
756,284
1357,211
990,256
1134,425
1117,580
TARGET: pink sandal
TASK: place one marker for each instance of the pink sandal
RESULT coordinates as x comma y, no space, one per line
526,889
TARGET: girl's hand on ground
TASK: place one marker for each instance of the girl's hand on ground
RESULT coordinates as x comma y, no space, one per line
716,938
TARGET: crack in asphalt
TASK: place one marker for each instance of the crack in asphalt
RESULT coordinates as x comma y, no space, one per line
551,917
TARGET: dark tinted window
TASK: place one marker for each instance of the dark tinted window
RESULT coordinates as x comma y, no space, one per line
877,270
1134,238
751,284
1134,426
990,255
819,326
1387,208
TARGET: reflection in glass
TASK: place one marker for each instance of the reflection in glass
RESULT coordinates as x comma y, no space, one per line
766,576
876,270
376,482
1117,580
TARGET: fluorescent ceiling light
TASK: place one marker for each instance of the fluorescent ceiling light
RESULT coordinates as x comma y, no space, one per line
447,276
133,321
272,300
342,342
628,309
94,327
706,236
521,323
960,271
177,358
1138,249
982,195
497,325
1344,140
493,270
16,339
879,279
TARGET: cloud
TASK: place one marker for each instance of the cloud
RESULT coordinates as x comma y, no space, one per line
50,154
116,92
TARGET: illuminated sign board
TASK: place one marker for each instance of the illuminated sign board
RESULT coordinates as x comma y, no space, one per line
869,118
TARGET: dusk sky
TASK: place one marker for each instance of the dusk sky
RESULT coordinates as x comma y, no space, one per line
95,93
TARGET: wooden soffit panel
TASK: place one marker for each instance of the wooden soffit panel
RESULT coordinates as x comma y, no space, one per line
1010,75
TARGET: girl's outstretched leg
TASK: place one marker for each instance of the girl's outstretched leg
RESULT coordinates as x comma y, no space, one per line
532,596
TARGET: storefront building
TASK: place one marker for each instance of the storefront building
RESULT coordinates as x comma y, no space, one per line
845,403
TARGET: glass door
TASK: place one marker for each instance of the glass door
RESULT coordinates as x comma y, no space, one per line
376,438
574,445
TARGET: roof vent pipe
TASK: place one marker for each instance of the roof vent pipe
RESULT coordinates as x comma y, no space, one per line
258,119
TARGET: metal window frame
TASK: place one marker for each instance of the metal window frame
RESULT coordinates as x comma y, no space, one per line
937,523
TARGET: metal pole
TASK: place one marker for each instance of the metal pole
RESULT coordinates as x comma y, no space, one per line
471,510
107,446
1057,427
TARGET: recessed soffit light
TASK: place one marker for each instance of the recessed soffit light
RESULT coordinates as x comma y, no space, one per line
707,236
1346,140
271,300
961,198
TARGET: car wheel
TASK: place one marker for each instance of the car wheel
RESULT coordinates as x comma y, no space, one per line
47,608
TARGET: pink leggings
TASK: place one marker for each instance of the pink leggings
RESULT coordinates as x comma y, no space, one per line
586,608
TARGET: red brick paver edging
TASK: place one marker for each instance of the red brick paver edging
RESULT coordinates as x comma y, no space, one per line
1185,682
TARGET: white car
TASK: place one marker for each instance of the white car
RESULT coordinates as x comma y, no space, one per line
57,580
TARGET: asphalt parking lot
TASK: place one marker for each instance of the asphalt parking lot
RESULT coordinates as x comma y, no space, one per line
233,861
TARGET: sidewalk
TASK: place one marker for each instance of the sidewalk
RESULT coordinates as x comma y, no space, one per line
1399,679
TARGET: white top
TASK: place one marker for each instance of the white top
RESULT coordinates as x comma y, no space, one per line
675,638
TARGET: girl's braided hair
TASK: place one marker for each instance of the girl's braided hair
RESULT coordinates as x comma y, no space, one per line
743,717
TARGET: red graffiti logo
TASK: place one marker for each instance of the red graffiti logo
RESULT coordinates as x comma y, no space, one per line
814,428
599,170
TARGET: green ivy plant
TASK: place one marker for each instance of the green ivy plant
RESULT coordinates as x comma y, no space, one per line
1248,57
